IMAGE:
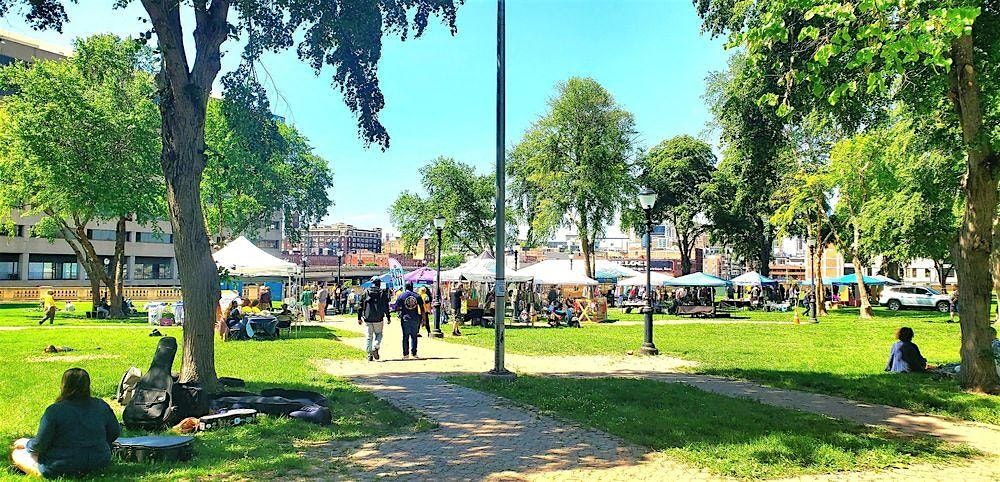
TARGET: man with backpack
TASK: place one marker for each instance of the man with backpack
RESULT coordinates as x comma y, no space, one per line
374,307
410,306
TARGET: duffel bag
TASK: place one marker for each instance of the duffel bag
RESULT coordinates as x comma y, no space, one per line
153,449
275,406
308,397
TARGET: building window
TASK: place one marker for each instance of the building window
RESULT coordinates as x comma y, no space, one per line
145,237
15,231
52,267
153,268
102,234
267,244
10,266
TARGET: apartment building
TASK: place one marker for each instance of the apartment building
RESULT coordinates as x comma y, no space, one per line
329,239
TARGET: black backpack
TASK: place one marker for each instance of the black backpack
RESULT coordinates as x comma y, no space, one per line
372,311
152,405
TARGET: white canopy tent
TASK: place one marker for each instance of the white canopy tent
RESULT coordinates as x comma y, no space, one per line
656,279
556,272
244,259
481,269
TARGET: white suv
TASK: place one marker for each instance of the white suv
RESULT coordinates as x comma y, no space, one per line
897,297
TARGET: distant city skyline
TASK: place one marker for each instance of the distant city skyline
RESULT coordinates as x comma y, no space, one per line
440,89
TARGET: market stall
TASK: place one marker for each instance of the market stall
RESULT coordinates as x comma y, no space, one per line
695,294
245,263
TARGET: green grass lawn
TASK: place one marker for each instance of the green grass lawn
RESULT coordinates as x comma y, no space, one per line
29,381
28,314
841,355
729,436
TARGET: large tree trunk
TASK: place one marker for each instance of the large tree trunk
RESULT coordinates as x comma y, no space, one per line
975,233
588,255
685,246
116,287
942,270
183,96
865,307
764,255
818,261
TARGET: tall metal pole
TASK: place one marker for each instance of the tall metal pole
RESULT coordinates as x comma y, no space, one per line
437,296
340,261
648,348
501,201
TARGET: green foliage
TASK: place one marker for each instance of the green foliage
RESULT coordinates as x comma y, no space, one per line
456,192
738,200
839,356
679,170
256,167
574,164
729,436
253,451
79,136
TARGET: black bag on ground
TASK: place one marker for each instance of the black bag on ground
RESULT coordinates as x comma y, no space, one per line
276,406
313,413
152,405
306,396
153,449
190,400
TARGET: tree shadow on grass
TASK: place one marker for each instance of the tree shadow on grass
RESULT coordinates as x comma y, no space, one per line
730,436
918,392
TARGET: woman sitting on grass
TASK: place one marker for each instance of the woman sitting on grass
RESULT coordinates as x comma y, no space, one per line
905,356
74,436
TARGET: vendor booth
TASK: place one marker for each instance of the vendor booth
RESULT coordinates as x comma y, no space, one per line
695,294
247,264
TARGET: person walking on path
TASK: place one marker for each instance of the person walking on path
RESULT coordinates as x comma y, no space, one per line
374,307
322,297
953,306
305,302
49,307
410,306
425,296
456,304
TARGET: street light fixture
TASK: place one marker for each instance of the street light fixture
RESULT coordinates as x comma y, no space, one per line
340,261
439,227
647,198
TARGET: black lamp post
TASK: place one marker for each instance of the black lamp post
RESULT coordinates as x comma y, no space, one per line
517,249
340,261
647,198
438,226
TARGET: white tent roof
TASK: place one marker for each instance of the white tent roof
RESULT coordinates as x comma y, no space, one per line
656,279
556,272
244,259
482,268
602,268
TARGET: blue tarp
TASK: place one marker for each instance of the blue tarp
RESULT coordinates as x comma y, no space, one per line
697,279
850,279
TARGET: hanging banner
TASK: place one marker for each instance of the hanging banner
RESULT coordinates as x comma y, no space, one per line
396,274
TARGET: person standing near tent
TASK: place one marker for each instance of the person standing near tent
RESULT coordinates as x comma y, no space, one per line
456,305
410,306
305,302
322,299
425,296
374,307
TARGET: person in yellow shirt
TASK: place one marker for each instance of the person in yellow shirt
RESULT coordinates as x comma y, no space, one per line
425,309
49,307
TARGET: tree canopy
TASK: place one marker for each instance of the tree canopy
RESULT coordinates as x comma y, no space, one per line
464,198
679,170
577,159
79,143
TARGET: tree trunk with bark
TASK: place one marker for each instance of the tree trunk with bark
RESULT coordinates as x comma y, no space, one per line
865,305
116,283
183,100
818,261
588,255
764,256
975,236
943,270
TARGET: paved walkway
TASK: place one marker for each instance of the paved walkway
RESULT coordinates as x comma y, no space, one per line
483,437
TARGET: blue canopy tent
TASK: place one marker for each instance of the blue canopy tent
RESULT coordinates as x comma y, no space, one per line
753,278
386,282
698,279
850,279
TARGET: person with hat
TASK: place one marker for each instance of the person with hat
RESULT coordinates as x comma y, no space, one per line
410,306
374,307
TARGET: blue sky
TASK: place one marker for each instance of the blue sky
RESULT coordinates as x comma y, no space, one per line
440,88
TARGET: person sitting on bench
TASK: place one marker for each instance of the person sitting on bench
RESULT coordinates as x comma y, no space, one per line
74,436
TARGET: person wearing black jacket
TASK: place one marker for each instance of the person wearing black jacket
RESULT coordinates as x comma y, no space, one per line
374,307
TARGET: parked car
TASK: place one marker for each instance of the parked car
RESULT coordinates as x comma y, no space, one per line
899,297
